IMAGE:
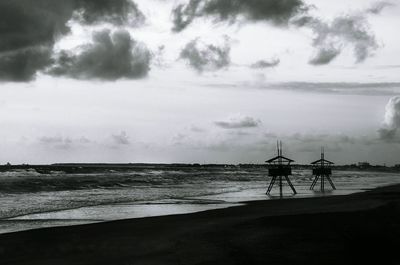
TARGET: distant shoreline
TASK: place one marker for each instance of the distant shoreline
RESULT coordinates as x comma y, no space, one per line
360,228
71,168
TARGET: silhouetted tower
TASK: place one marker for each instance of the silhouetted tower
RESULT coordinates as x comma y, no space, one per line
322,169
279,167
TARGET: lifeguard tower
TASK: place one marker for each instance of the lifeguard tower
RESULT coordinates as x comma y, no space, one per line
278,168
322,169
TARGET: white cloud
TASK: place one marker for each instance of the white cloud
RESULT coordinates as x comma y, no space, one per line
391,121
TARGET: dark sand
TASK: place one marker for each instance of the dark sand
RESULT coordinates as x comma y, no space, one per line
354,229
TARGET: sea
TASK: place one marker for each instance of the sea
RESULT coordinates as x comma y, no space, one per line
32,200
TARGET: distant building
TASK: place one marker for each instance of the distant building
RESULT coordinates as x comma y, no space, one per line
363,164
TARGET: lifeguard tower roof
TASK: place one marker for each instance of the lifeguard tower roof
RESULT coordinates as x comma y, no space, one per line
280,157
322,161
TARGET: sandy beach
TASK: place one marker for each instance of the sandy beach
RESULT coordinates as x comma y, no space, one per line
361,228
199,132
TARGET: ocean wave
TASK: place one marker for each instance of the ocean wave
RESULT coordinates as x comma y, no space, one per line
32,181
26,191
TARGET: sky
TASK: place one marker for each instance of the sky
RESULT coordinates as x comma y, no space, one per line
199,81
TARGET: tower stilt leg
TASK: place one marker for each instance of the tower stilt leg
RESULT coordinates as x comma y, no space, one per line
331,182
271,184
280,187
290,184
314,182
322,183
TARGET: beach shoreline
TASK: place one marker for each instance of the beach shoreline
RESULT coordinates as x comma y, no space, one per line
67,199
361,228
121,211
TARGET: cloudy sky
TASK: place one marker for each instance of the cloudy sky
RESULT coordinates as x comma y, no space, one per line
205,81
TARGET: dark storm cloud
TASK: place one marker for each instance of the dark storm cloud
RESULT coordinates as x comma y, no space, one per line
265,64
391,123
331,38
325,55
30,28
21,65
183,15
278,12
113,11
238,123
26,23
111,56
206,57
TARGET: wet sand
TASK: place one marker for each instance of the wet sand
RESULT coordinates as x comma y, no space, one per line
361,228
